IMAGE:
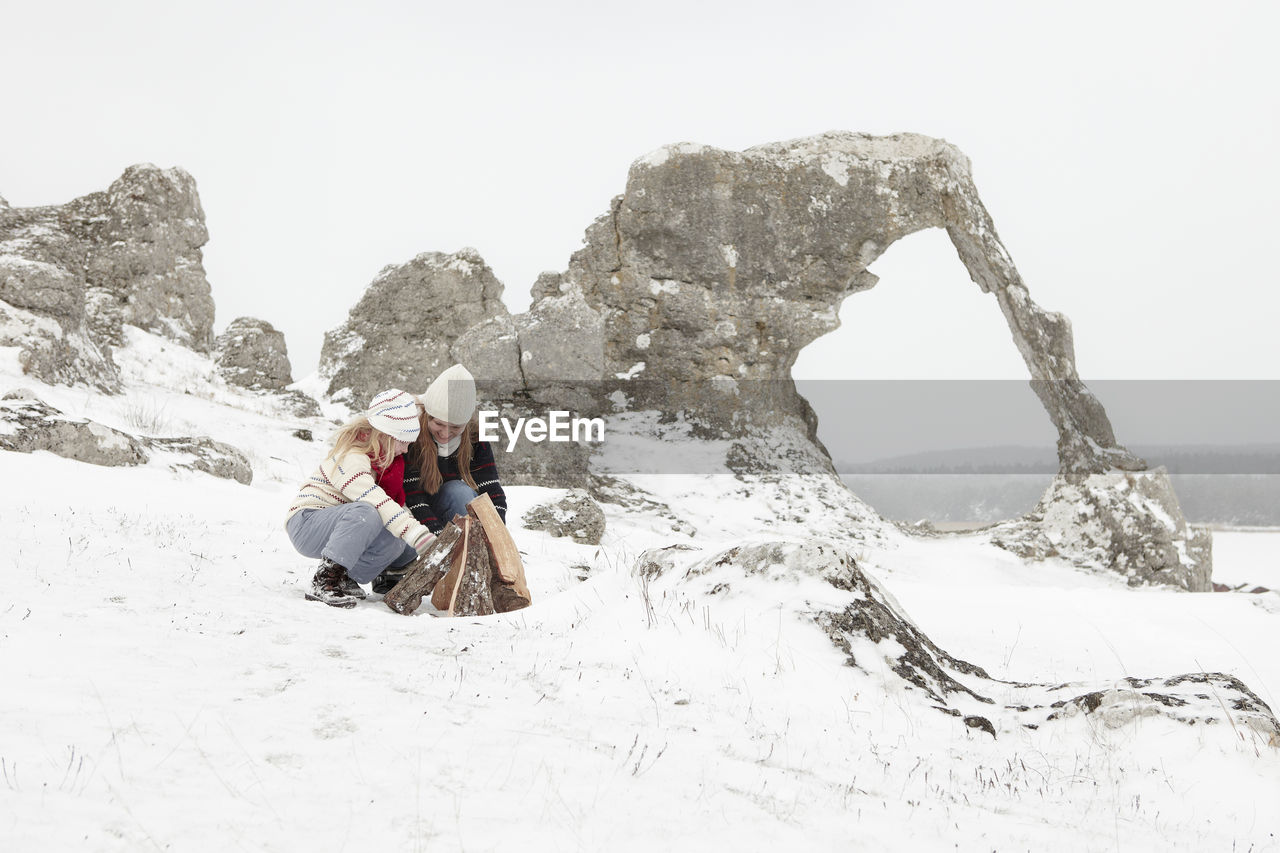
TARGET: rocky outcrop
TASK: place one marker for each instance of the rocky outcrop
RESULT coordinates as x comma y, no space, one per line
253,355
876,636
144,237
1125,521
575,515
721,266
697,290
31,425
201,453
72,275
715,268
401,331
28,424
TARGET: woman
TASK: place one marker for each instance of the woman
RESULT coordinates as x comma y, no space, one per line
447,466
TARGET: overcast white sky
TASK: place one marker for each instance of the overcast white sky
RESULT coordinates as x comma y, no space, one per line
1126,150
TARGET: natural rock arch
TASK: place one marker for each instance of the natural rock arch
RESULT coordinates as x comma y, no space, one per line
723,265
738,260
698,289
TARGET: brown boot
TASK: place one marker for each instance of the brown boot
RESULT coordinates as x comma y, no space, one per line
328,585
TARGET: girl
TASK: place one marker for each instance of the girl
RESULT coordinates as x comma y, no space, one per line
448,466
344,514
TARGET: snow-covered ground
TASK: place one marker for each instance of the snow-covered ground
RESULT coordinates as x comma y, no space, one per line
167,687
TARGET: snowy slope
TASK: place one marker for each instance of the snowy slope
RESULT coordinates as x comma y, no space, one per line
167,686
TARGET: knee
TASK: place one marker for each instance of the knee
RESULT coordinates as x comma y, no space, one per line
365,513
457,490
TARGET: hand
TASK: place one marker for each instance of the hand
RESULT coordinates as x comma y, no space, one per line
425,545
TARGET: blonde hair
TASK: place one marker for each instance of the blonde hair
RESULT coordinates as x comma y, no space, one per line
423,455
360,436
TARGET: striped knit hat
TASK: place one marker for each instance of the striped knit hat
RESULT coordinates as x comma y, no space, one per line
395,413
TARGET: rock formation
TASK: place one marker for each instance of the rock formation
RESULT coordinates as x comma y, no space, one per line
575,515
401,331
72,275
695,293
253,355
876,636
28,424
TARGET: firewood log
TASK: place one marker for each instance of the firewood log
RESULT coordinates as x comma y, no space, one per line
510,591
423,574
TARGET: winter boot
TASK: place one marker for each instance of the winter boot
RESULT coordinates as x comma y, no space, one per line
390,576
352,588
328,585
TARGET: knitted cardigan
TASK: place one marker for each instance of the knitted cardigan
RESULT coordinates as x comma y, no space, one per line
483,470
350,479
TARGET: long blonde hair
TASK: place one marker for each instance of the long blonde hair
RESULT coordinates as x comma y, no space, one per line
423,455
360,436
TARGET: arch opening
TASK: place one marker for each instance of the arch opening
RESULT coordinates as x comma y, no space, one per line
922,398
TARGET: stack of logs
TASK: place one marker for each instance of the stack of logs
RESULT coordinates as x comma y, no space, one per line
472,569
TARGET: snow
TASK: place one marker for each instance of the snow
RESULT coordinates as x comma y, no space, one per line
168,686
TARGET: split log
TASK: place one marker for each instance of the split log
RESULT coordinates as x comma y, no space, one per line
424,574
472,595
510,591
463,570
465,591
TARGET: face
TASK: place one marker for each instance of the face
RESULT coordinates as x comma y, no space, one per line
442,431
398,447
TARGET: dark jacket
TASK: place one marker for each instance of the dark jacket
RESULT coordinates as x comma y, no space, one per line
483,471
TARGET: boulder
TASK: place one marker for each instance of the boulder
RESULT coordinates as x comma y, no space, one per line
201,453
1124,521
561,341
575,515
253,355
491,351
401,332
720,267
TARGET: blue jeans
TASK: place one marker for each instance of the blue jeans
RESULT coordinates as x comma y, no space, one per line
451,500
352,536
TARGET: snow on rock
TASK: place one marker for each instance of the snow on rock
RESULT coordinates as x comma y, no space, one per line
1127,522
575,515
876,636
33,425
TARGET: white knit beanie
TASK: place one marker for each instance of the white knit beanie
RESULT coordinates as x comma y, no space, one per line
395,413
452,396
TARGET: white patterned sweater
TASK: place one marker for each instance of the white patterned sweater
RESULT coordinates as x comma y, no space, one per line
350,479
